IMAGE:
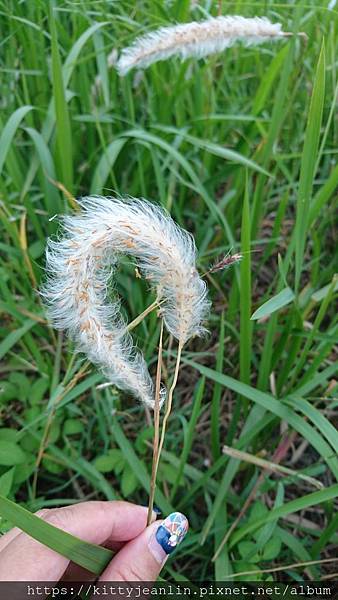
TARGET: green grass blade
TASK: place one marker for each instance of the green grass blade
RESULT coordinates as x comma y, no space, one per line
139,134
217,150
89,556
255,422
181,9
298,549
273,304
52,200
102,66
321,378
266,355
9,131
67,71
307,169
247,436
320,294
266,86
84,468
223,567
323,195
269,403
325,536
245,345
198,396
14,336
318,419
75,52
279,112
216,397
288,508
224,485
138,467
105,165
322,312
63,128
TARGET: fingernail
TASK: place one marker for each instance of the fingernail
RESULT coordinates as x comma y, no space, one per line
168,536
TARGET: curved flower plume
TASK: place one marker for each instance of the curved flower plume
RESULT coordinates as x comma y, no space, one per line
80,265
198,39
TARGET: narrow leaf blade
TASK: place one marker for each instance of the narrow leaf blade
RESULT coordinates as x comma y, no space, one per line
275,303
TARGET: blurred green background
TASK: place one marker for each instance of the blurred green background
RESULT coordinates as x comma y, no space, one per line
241,149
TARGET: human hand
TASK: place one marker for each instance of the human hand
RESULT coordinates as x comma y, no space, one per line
121,526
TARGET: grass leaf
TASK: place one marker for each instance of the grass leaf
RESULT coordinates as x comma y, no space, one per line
273,304
89,556
308,163
10,130
63,129
288,508
269,403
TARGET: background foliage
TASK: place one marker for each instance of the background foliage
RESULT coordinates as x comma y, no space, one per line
240,148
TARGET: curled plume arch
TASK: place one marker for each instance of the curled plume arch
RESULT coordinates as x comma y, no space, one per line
81,262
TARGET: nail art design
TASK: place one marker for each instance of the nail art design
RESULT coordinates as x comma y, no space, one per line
172,531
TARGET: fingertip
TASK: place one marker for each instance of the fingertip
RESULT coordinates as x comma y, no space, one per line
142,558
167,536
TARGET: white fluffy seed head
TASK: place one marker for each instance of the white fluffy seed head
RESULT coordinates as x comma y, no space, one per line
81,263
198,39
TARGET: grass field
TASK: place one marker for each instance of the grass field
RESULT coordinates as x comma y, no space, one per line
241,149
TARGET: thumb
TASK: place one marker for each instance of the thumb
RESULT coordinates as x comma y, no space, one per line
143,558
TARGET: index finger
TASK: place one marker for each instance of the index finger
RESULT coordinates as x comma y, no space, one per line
25,559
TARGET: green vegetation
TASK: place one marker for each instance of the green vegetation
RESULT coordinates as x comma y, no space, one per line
240,148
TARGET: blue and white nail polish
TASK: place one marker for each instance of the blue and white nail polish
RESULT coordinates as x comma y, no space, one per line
168,536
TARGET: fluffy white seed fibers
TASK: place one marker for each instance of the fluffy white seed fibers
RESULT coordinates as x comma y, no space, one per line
81,263
198,39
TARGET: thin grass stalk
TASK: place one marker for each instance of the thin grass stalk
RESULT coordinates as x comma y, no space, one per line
169,404
285,567
144,314
269,466
156,427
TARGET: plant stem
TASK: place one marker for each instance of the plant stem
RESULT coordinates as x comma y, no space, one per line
169,404
156,428
142,316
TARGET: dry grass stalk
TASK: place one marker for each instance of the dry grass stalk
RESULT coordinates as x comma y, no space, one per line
156,427
270,466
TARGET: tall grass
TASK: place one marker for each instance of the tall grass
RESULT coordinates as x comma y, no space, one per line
241,149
